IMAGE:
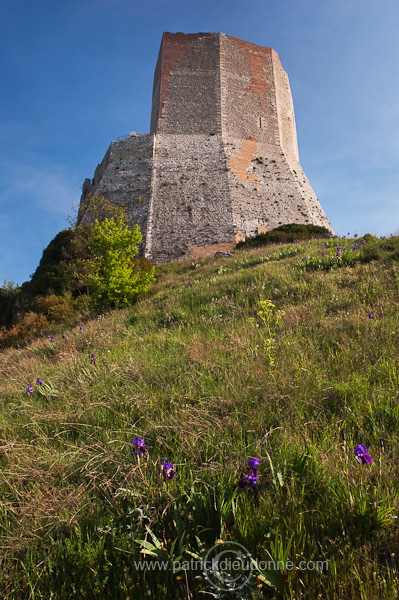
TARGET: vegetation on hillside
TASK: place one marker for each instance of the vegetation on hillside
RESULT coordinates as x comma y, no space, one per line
225,408
84,270
285,234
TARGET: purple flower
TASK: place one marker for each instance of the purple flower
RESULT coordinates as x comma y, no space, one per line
93,358
370,316
39,381
250,480
63,336
338,254
52,338
139,446
342,432
356,235
81,327
29,390
253,463
362,242
167,470
361,455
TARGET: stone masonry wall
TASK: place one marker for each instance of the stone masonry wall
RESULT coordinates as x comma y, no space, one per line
124,177
190,205
285,111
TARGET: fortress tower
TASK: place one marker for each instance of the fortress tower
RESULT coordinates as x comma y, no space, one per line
221,162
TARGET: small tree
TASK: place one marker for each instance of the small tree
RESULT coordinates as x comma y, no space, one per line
115,281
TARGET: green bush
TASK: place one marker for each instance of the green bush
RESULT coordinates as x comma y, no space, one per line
285,234
8,297
63,266
114,281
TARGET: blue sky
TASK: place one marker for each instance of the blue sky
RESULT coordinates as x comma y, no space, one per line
76,74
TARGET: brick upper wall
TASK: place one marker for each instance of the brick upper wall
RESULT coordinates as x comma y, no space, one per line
184,74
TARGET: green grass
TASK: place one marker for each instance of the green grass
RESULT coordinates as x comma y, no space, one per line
189,369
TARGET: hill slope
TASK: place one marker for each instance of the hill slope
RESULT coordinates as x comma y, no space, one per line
208,382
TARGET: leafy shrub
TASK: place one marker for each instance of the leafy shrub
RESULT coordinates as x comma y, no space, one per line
8,297
56,309
30,326
63,266
114,281
285,234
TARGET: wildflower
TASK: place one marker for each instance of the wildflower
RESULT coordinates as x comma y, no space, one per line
361,455
139,446
370,316
39,381
93,358
81,327
362,242
356,235
29,390
382,445
167,470
338,254
52,338
342,432
253,463
252,479
63,336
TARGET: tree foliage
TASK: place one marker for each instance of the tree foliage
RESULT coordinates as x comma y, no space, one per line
115,280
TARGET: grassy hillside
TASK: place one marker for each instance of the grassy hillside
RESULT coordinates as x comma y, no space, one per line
209,383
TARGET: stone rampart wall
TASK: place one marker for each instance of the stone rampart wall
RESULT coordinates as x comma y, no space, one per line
191,205
124,177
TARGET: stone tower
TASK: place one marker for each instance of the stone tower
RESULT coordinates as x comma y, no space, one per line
221,162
